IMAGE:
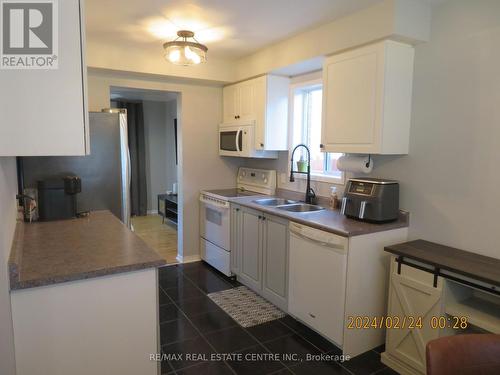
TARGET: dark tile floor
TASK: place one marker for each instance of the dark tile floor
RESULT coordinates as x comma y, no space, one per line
193,328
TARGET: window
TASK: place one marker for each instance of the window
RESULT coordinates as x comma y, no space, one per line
306,129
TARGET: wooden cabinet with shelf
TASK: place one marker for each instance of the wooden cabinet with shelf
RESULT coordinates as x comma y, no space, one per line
167,207
44,111
481,309
448,303
367,99
263,100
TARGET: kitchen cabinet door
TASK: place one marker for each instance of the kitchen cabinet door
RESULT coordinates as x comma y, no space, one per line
351,85
412,294
230,103
247,97
251,248
44,111
367,99
275,261
235,239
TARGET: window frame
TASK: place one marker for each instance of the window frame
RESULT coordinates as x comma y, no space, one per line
320,177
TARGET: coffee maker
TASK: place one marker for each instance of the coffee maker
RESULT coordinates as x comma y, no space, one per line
57,198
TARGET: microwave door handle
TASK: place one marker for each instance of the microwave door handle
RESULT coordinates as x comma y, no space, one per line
238,140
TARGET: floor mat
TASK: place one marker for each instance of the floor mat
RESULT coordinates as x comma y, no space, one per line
246,307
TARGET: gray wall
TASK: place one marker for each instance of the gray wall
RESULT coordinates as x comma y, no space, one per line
161,171
450,179
8,189
170,115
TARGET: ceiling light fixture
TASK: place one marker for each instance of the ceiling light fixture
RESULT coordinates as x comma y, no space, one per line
183,52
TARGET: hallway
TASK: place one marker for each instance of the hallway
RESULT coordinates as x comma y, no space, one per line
161,237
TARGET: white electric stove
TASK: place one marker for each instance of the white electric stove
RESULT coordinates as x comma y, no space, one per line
215,220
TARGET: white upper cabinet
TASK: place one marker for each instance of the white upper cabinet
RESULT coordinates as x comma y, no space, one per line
265,101
367,99
230,103
43,111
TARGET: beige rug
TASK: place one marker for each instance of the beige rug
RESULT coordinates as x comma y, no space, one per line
246,307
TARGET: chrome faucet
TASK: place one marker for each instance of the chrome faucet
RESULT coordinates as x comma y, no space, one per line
310,195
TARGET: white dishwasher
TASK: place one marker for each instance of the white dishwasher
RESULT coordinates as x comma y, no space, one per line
317,280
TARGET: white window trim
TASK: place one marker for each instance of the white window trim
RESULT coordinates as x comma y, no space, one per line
314,176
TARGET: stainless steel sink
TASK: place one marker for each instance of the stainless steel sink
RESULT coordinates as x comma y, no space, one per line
301,207
274,201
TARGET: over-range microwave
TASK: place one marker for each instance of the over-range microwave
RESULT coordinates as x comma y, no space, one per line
238,139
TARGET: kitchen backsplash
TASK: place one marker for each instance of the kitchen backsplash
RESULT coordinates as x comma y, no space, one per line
281,166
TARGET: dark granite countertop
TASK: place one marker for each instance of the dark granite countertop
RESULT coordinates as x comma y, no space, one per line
45,253
462,262
328,220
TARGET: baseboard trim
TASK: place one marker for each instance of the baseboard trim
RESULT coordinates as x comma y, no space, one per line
396,365
188,259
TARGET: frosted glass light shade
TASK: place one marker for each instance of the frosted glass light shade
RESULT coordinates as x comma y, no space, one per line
183,52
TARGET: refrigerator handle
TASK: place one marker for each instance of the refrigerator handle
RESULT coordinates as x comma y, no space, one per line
129,172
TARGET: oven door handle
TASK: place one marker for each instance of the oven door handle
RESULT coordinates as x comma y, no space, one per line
214,203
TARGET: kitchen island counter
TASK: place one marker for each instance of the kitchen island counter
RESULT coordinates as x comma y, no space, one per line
45,253
87,290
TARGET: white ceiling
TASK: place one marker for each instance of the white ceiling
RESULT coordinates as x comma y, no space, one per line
230,28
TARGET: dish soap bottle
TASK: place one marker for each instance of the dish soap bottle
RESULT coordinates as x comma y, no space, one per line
334,198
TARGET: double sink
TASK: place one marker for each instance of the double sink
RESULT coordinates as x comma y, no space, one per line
288,205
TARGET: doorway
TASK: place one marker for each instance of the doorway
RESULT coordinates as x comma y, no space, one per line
152,130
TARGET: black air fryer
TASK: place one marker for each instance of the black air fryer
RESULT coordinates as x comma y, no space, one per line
57,198
371,199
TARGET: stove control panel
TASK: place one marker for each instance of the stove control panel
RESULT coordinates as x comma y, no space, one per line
252,179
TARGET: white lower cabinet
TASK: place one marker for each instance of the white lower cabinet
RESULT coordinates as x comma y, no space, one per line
260,253
275,260
251,233
108,324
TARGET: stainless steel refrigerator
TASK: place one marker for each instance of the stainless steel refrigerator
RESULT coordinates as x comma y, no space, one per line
105,173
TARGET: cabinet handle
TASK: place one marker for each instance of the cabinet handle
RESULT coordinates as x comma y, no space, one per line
262,145
260,217
235,117
312,315
321,145
263,218
237,209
